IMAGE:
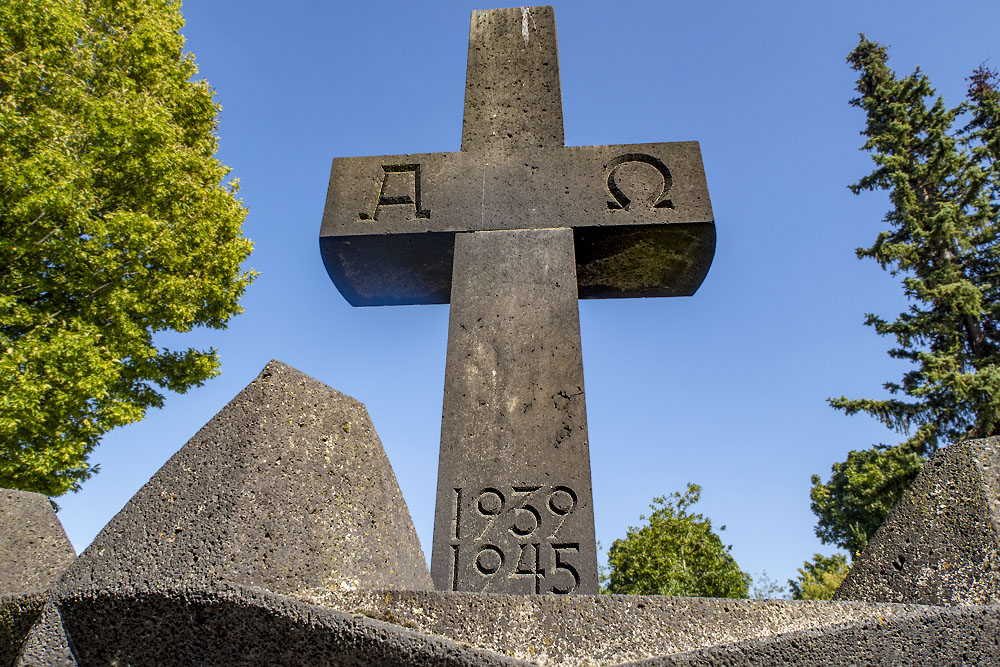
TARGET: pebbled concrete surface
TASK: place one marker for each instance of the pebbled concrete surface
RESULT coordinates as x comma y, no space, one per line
286,487
600,629
34,549
18,613
232,625
941,544
924,637
46,644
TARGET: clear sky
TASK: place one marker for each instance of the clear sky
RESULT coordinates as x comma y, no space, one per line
726,388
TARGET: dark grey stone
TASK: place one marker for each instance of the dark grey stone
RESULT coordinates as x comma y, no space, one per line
641,212
941,544
47,645
929,637
286,487
232,625
228,624
616,629
514,472
402,259
622,221
34,549
18,612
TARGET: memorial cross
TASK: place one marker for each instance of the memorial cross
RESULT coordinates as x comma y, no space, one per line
511,230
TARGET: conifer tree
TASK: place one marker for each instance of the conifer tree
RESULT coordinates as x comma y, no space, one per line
941,239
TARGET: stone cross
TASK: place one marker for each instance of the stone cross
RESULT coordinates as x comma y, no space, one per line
510,231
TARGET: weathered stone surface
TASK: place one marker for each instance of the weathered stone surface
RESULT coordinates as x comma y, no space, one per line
514,472
941,544
232,625
47,645
926,637
286,487
396,257
34,549
617,629
390,221
18,612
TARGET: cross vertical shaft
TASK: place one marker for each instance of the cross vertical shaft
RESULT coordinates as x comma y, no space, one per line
514,510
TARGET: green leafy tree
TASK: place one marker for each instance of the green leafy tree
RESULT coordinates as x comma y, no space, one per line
819,579
764,587
115,224
676,553
941,170
860,494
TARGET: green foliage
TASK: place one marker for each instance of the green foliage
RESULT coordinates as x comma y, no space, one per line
941,239
819,579
764,587
676,553
861,493
114,225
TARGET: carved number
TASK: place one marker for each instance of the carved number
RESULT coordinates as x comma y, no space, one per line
560,565
523,521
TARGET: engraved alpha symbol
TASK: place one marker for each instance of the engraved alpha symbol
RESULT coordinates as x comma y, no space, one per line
622,201
400,186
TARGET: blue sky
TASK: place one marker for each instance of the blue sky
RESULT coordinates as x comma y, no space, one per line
726,388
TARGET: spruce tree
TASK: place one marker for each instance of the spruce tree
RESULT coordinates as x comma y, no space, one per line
940,168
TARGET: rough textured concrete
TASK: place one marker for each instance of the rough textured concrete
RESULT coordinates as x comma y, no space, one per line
926,637
34,549
514,507
18,613
228,624
941,544
47,644
231,625
286,487
602,629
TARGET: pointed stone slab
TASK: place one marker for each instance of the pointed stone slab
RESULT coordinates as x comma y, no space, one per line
941,544
286,487
18,613
47,645
34,549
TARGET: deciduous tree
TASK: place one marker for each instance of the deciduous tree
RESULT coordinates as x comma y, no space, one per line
675,553
819,579
115,224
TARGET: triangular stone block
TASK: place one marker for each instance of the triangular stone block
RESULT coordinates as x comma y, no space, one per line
34,549
941,544
287,487
46,645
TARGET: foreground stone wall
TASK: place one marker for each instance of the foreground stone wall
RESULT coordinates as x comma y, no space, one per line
277,535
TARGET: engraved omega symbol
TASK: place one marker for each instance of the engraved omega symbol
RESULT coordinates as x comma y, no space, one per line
621,201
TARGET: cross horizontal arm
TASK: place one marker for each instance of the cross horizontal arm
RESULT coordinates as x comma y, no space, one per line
642,215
